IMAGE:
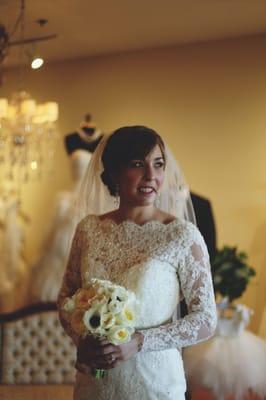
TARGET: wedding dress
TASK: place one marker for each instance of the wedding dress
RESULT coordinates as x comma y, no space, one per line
159,263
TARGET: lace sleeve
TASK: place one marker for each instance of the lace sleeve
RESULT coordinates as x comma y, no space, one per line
71,282
196,284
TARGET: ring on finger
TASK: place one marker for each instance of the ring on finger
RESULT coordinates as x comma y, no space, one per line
111,358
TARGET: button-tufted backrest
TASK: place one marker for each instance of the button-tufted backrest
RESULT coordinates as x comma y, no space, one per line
35,349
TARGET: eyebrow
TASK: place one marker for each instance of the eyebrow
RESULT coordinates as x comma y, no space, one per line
143,159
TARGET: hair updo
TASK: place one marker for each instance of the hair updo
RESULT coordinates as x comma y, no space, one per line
124,145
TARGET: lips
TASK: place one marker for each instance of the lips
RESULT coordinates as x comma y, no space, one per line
146,189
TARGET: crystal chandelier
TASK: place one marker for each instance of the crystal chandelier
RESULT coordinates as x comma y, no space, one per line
27,137
27,129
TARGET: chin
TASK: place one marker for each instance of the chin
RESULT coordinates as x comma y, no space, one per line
138,201
146,202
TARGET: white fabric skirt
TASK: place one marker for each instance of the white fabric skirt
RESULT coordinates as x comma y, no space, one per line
157,375
228,365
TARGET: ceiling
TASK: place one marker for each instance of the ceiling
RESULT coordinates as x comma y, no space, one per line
87,27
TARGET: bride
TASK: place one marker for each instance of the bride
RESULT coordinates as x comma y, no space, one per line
135,234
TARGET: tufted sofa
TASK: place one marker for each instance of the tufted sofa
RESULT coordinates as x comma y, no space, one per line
34,349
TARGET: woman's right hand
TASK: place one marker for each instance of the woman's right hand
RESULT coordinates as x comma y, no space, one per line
95,353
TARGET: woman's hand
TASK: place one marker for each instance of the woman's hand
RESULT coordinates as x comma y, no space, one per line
100,354
95,353
128,350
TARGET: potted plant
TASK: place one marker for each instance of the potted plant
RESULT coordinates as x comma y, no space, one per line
231,273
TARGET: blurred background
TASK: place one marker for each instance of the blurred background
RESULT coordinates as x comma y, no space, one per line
193,71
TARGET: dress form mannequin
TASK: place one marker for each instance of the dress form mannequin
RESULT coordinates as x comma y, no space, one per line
86,137
12,263
49,267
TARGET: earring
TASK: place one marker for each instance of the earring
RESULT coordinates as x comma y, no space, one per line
117,198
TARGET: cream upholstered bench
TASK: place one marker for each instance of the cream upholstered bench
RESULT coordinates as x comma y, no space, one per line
34,347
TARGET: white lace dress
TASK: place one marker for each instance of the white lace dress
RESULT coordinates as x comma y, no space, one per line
157,262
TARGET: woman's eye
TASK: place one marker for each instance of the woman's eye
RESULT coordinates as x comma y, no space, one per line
159,164
140,164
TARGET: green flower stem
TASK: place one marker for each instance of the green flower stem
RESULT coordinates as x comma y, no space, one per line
98,373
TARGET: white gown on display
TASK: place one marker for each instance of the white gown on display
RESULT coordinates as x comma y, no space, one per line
12,264
232,363
157,262
49,268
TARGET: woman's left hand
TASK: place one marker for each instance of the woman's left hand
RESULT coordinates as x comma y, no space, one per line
128,350
108,356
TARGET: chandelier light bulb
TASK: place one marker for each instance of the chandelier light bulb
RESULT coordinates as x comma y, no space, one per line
34,165
28,107
36,63
3,107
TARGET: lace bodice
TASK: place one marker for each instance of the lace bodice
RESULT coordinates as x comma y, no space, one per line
158,262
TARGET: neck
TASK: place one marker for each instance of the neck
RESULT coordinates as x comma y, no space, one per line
139,215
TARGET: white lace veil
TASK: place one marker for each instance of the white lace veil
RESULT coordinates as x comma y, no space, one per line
95,198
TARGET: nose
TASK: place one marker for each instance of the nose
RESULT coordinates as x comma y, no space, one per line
149,173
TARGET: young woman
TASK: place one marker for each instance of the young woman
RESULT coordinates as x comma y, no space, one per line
139,244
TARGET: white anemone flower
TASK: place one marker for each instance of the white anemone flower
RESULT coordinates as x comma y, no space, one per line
116,306
93,320
120,294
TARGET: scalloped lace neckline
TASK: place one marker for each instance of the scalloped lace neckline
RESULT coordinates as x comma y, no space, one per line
129,222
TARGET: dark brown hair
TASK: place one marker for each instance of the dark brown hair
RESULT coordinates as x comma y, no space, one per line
124,145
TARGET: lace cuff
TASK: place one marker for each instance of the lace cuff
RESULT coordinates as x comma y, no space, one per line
196,284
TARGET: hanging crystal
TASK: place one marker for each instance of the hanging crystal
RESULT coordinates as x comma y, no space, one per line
28,134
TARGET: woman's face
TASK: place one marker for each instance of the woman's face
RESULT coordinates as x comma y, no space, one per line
140,182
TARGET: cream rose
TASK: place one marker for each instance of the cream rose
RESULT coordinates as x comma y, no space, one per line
119,334
127,316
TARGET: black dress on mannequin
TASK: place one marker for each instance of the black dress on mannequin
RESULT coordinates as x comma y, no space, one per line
73,141
205,221
86,138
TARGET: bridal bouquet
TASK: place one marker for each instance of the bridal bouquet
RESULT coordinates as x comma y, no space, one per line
102,309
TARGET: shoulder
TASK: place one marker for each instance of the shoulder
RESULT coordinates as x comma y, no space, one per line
186,244
111,215
182,238
186,233
85,229
193,243
86,223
